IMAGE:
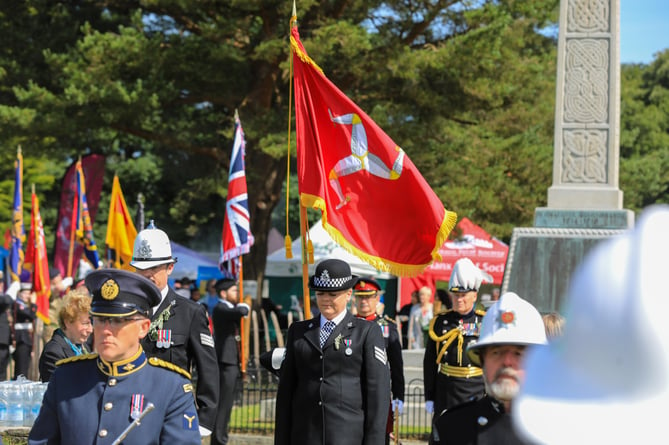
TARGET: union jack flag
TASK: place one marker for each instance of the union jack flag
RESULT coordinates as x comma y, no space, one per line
236,238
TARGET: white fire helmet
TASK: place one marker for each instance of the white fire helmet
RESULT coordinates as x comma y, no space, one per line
152,248
510,321
606,379
466,277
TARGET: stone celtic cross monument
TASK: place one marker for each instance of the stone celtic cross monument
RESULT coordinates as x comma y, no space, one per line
585,204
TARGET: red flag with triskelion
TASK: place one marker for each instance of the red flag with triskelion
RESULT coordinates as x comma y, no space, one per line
375,202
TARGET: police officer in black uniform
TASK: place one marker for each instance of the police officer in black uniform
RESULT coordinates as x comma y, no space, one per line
367,293
179,330
334,386
510,325
450,378
96,398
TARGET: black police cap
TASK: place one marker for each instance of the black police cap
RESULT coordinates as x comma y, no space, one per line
332,275
119,293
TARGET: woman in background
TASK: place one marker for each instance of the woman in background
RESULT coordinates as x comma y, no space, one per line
70,338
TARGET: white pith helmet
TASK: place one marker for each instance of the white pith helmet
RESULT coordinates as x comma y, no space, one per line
510,321
152,248
466,277
606,380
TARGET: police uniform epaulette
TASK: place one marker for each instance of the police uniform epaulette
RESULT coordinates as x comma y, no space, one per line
387,318
480,312
77,358
171,366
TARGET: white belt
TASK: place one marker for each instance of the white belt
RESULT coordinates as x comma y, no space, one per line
23,326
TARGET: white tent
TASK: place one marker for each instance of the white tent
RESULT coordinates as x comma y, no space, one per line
324,247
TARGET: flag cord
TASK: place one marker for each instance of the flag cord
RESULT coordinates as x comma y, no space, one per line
288,242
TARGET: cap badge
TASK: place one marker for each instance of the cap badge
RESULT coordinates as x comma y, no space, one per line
363,284
507,317
145,249
109,290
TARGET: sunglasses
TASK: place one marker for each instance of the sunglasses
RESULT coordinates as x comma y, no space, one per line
114,322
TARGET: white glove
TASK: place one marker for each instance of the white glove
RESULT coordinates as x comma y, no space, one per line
203,431
278,355
429,407
13,289
67,282
246,306
398,406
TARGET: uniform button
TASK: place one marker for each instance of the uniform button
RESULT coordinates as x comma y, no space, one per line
103,433
321,379
321,357
320,403
108,406
112,382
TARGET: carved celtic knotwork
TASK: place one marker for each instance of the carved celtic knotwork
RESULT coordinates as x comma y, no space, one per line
584,156
588,16
586,89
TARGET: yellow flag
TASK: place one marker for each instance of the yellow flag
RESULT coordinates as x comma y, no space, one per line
121,231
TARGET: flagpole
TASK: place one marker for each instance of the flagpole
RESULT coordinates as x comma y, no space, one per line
242,325
305,263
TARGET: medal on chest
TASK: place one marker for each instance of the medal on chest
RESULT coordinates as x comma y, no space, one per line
348,350
136,406
164,339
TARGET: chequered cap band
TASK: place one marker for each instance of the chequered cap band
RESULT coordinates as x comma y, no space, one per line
325,281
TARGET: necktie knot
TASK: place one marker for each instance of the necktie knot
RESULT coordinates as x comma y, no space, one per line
326,330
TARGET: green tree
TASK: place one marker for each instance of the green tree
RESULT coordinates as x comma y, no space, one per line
465,88
644,134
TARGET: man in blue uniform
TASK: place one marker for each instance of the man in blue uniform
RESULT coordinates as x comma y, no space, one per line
95,398
335,384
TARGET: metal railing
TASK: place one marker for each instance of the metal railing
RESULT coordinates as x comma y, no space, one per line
253,410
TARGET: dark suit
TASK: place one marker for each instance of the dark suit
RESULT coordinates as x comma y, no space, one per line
24,315
56,349
5,334
226,320
479,422
446,390
337,395
191,344
391,337
90,402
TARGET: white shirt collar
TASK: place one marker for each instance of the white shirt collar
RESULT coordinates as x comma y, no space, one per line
336,320
226,302
163,294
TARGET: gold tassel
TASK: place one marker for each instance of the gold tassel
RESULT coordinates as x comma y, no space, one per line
310,251
289,247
